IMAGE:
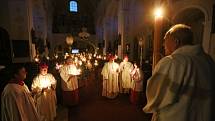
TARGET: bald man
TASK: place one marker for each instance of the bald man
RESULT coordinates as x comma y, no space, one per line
181,87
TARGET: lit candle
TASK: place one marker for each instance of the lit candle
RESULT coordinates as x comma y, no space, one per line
72,69
96,63
36,59
45,83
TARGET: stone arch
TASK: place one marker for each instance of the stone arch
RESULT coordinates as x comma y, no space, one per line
82,44
5,48
194,7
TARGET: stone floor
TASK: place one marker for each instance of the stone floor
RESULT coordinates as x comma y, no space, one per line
94,107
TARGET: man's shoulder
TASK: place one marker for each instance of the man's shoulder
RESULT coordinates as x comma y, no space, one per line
166,59
181,58
12,89
63,67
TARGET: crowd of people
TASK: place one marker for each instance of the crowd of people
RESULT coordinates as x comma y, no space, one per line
124,78
181,87
18,103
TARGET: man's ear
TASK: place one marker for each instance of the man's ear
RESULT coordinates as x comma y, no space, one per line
177,42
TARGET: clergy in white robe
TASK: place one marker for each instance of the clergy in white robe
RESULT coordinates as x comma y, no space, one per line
110,73
17,103
136,96
125,81
181,87
69,83
43,86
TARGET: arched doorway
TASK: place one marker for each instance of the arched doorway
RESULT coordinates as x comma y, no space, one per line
5,51
195,18
84,46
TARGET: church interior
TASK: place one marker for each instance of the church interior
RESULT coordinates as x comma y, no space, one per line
92,31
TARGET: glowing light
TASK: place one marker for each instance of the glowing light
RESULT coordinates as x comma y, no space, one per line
79,71
89,65
66,55
69,40
158,12
45,83
114,68
84,59
72,69
104,58
58,66
36,59
47,57
56,56
96,63
90,57
80,63
116,57
76,59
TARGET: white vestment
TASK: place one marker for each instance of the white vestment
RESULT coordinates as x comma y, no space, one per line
126,68
69,74
137,80
110,74
45,101
182,87
17,104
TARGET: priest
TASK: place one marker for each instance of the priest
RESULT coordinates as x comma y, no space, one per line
17,103
110,73
181,87
125,81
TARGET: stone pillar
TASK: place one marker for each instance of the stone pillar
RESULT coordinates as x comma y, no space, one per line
123,20
20,24
157,41
207,36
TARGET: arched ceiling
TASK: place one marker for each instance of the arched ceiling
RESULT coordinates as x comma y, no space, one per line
67,22
190,15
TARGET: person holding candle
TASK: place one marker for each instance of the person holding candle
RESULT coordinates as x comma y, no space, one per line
43,88
125,81
136,95
69,82
110,73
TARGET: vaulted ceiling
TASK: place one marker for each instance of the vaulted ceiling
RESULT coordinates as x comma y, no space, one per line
67,22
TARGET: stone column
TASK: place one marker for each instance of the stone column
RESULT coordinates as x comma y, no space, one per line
207,36
157,40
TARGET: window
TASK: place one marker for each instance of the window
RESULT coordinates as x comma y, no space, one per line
73,6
